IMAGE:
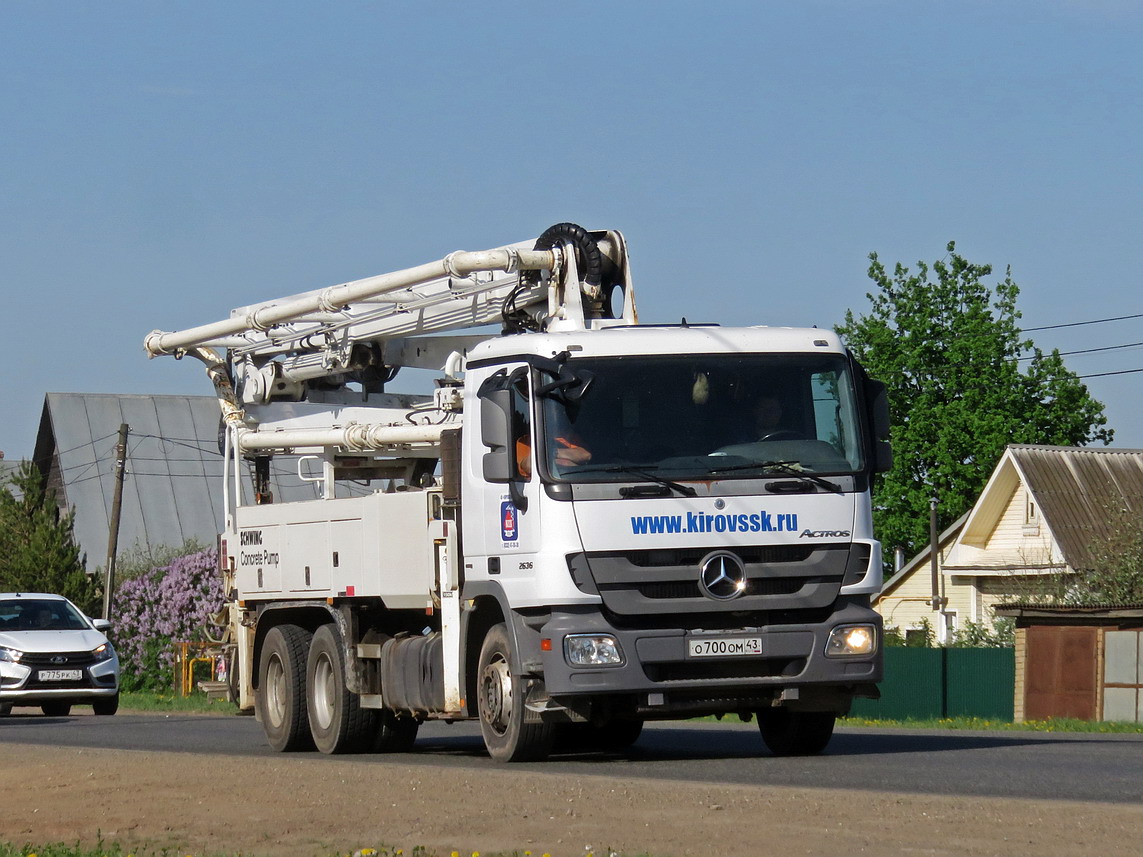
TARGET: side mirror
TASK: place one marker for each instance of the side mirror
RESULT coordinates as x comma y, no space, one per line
102,625
495,410
877,396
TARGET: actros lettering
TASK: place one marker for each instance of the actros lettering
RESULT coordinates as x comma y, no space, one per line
824,534
697,522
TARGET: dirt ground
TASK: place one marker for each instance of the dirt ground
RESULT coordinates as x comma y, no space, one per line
305,805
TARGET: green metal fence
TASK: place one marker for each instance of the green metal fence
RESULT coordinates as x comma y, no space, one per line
923,684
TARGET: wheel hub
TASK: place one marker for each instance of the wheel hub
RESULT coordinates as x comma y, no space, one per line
496,694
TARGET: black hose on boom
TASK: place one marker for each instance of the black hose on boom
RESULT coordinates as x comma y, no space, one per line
588,261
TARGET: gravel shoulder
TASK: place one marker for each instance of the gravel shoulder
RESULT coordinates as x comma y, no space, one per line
306,805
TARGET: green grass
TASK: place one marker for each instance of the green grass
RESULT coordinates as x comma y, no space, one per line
1061,724
153,702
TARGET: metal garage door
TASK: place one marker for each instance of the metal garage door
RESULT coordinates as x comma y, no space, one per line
1123,675
1060,677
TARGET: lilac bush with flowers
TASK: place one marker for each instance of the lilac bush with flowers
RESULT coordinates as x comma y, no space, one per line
160,607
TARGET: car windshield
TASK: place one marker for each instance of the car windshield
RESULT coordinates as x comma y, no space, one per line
703,417
32,614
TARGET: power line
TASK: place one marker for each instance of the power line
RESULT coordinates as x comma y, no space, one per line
1079,323
1105,374
1089,350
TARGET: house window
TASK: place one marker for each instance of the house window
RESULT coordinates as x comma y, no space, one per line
1031,515
949,619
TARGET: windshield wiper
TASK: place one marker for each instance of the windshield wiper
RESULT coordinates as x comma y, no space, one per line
790,467
685,490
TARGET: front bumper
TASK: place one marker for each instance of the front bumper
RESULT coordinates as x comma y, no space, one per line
22,685
659,671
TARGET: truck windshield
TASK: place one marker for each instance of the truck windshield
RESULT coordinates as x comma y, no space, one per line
703,417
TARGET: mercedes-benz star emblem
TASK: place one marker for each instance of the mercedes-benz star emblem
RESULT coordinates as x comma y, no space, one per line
722,576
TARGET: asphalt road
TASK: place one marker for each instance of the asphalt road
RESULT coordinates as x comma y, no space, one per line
1081,767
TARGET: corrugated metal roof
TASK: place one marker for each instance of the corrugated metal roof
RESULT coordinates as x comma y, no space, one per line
1081,492
173,488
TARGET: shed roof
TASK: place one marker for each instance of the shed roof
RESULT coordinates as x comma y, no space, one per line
173,486
1081,492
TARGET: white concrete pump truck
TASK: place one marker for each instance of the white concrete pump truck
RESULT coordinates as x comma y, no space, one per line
588,524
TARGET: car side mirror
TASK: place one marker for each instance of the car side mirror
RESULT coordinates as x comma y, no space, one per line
101,624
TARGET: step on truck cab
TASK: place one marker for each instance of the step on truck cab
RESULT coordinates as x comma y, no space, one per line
589,523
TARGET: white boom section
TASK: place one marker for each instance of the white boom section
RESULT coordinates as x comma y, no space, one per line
335,299
378,324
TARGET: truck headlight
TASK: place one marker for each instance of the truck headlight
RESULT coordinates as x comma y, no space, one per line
592,650
851,640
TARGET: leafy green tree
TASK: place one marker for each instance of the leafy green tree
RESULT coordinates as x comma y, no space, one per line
948,345
38,552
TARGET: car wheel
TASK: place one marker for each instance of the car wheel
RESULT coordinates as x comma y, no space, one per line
106,707
5,709
56,709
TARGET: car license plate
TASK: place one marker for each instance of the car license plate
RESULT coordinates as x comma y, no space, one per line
60,675
724,647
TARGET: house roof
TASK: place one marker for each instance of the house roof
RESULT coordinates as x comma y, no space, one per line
922,557
173,486
1080,492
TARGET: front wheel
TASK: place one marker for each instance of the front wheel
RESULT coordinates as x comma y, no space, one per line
281,698
338,723
106,707
500,698
56,709
796,733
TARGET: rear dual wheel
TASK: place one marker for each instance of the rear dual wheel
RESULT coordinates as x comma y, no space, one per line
281,697
338,723
303,700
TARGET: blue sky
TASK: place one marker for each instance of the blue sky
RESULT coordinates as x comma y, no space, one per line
163,162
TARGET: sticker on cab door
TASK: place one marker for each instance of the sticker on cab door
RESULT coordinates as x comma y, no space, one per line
509,522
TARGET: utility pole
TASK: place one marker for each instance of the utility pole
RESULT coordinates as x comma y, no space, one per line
116,507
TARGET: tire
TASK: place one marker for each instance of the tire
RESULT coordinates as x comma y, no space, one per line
394,734
56,709
281,697
338,723
106,707
614,736
5,709
500,699
796,733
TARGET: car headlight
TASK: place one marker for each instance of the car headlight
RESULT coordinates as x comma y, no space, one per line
103,653
592,650
11,655
851,640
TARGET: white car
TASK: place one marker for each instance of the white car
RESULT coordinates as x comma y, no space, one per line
53,656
